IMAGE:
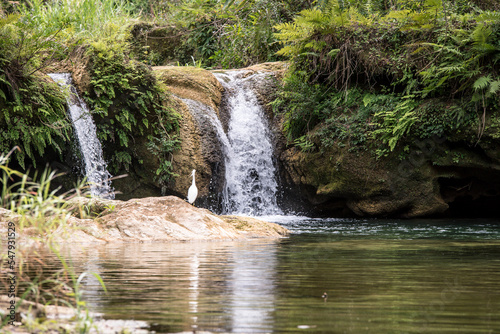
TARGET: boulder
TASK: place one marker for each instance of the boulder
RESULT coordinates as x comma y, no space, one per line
167,218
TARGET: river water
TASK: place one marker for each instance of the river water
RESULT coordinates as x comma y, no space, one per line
381,276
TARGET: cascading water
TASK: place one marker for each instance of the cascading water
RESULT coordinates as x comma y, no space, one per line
251,185
90,147
204,112
215,148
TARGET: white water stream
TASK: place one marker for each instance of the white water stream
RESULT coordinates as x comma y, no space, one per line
95,167
251,185
202,112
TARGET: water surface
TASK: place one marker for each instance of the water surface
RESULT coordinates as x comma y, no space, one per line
381,276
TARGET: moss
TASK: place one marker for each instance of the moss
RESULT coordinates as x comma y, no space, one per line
190,82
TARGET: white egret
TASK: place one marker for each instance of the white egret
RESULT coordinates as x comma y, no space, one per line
193,191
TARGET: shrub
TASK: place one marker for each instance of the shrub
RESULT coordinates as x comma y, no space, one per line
416,50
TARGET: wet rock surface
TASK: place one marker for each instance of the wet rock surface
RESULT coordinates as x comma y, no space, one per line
152,219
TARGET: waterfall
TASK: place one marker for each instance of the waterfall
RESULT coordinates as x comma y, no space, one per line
90,147
251,185
202,112
215,148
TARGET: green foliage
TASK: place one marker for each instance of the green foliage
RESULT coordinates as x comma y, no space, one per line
33,109
91,20
301,105
315,114
304,143
162,148
150,9
248,39
400,55
128,94
24,50
32,112
36,120
231,33
39,208
395,122
353,121
442,118
38,205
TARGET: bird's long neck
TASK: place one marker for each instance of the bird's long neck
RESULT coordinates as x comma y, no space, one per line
193,178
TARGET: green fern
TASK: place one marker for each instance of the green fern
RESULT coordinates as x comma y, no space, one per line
488,17
482,82
494,86
395,123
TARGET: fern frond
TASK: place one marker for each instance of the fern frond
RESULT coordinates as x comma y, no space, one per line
397,15
315,45
488,17
494,86
333,53
452,69
482,82
289,50
9,19
481,35
444,48
311,19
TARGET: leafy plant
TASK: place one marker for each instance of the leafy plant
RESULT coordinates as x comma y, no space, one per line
231,33
304,143
90,20
128,94
428,49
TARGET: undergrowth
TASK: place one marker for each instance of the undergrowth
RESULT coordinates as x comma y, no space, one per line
124,95
131,103
40,212
402,59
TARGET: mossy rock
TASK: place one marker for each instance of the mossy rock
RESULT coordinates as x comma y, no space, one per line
191,83
447,178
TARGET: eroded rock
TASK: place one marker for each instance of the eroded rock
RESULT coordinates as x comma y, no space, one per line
151,219
447,180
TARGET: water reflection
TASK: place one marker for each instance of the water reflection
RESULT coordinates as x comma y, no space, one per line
253,286
216,286
381,277
194,288
91,265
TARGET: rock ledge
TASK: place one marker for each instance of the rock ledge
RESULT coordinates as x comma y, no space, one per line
151,219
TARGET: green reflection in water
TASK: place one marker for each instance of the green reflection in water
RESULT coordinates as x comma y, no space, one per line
389,286
380,276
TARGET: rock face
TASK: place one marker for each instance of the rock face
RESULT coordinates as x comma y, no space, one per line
166,218
344,183
437,178
200,148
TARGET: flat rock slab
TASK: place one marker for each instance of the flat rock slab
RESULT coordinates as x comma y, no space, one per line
150,219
